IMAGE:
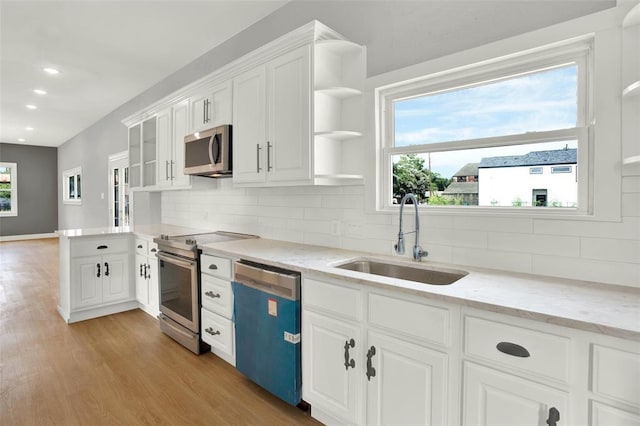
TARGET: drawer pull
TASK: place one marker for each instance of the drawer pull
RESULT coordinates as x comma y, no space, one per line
139,245
213,267
102,247
212,294
211,332
153,250
554,416
513,349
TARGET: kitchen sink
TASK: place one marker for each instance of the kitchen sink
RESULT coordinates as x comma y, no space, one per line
426,275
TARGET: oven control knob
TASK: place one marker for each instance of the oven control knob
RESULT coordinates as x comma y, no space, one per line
164,237
190,241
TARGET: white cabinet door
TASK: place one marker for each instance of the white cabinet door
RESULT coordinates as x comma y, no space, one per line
152,285
327,383
165,148
115,282
494,398
199,117
86,276
142,285
211,108
407,384
289,116
180,123
249,127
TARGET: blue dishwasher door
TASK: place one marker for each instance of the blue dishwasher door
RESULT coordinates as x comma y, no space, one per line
263,322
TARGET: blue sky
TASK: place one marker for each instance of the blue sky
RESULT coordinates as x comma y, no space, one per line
539,101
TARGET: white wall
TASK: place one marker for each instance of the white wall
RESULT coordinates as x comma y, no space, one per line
592,250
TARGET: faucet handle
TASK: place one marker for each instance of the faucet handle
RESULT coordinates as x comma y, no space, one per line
418,253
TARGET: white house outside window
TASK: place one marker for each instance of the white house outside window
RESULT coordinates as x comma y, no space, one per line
8,189
510,134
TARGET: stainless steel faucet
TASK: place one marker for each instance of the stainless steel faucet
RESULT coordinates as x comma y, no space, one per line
418,253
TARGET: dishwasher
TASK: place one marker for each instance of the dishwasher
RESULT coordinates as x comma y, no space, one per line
267,320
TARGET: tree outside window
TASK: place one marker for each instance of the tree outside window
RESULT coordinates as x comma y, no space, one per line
8,189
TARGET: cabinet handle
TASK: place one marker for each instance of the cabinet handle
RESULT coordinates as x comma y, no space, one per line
212,294
554,416
153,250
269,146
145,271
204,111
213,267
149,267
211,332
98,274
139,245
371,372
166,170
102,247
258,149
349,363
106,269
172,176
140,274
513,349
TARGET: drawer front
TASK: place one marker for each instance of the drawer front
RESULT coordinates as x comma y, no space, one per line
153,249
217,331
95,246
141,246
616,374
549,354
334,298
217,295
426,322
216,266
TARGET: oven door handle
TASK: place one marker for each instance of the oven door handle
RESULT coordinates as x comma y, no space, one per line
176,260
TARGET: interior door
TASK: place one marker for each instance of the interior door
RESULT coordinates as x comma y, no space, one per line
119,197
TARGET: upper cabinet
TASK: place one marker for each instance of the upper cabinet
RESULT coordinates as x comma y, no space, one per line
143,154
296,109
211,108
272,117
631,91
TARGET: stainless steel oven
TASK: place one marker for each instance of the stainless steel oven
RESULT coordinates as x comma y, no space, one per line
179,276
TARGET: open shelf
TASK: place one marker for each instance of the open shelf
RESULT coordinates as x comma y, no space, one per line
631,90
339,134
339,92
635,159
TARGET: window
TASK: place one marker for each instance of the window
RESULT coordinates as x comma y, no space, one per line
8,189
476,137
72,186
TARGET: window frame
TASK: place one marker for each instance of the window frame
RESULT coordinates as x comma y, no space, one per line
76,174
578,50
14,189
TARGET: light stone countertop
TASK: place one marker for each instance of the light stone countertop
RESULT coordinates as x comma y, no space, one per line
601,308
153,230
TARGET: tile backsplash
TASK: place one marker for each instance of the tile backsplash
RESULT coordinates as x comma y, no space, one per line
607,252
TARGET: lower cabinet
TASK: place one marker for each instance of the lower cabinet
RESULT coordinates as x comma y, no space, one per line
95,277
495,398
146,273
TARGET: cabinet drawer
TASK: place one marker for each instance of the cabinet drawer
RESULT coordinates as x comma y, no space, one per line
141,246
93,247
426,322
616,374
335,298
548,354
216,266
217,295
217,331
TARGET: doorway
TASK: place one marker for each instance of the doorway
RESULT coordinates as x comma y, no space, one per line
119,197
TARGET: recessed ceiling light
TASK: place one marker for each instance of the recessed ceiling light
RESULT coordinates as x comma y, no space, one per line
39,91
21,140
51,71
31,106
29,128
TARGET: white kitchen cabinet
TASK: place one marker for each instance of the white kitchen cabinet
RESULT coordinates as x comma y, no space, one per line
332,366
146,273
172,128
216,295
143,154
211,108
271,110
495,398
406,383
95,277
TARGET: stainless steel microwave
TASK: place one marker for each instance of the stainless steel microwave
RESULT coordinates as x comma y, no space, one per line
208,153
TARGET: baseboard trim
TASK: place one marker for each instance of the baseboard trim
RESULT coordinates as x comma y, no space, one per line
27,237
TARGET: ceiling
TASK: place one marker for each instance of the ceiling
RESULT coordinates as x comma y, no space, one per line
107,52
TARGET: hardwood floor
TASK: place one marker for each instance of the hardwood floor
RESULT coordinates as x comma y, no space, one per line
118,369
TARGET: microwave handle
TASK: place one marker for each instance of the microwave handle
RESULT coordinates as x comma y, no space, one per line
214,158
